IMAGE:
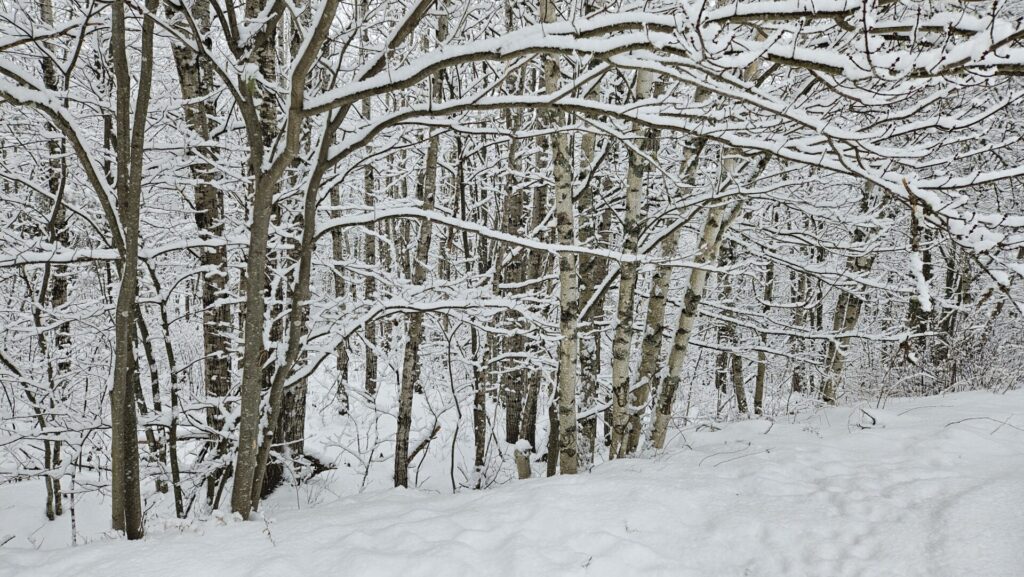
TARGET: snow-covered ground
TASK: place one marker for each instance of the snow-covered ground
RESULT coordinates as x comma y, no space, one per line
931,487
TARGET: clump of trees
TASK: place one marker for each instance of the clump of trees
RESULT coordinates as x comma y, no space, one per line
554,226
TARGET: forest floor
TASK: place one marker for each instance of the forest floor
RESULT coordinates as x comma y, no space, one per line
929,486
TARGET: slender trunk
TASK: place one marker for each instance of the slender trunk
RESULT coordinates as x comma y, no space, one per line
126,499
681,341
514,379
536,266
762,359
623,339
514,374
730,365
341,288
956,290
172,422
475,346
738,386
647,375
54,284
817,312
568,292
594,225
589,331
254,353
919,317
848,309
338,239
410,359
153,432
196,78
369,294
800,298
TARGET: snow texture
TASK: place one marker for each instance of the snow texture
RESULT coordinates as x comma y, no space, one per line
929,487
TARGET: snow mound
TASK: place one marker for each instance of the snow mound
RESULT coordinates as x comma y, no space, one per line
930,487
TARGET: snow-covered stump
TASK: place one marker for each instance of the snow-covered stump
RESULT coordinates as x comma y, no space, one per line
522,456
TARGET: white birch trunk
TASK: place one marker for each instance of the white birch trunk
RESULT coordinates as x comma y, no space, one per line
623,339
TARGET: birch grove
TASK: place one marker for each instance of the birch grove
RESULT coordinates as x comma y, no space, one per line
496,240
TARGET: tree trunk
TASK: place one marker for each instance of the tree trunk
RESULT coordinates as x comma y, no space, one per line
681,341
800,298
762,359
536,266
568,292
650,355
410,359
54,278
919,317
623,339
340,291
369,294
848,309
730,365
476,347
196,78
594,230
514,375
126,499
255,355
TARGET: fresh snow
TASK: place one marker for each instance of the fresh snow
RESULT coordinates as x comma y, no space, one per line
930,486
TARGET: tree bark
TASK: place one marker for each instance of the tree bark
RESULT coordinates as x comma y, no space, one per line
708,253
255,355
196,78
650,355
623,339
54,283
848,309
410,359
730,365
536,266
369,294
762,359
800,299
568,292
341,290
126,499
919,311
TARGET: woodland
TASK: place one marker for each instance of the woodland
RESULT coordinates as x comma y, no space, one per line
507,239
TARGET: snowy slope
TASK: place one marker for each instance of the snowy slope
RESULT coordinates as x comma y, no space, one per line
935,487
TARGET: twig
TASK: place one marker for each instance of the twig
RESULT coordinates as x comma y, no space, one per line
1001,423
266,531
874,421
724,453
994,431
740,457
924,407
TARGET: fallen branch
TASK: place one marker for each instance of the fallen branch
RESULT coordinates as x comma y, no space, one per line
423,444
874,421
1001,423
